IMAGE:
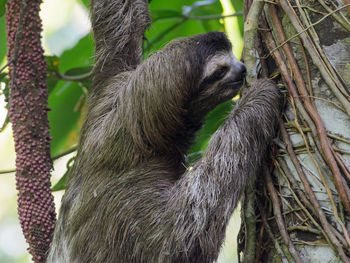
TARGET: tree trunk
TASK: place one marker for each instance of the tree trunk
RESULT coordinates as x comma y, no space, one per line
302,208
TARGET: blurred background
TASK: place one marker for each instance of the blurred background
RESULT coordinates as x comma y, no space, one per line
68,46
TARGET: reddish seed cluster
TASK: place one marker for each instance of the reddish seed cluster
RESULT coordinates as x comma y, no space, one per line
28,114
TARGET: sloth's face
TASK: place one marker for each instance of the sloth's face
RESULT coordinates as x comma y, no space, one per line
222,77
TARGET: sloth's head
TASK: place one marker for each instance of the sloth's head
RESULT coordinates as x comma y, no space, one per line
209,72
222,73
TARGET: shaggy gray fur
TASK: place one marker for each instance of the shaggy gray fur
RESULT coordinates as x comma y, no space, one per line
129,196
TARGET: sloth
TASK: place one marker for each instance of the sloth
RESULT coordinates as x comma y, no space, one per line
130,196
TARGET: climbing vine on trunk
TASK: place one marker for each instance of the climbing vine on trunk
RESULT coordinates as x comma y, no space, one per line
303,208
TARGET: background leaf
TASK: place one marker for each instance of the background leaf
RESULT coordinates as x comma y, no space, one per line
86,3
61,184
174,26
158,14
212,122
3,41
2,7
66,96
63,117
80,55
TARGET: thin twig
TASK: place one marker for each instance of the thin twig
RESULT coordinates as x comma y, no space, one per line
212,17
279,218
6,121
6,65
185,18
312,9
328,101
73,78
269,232
207,17
308,72
165,32
305,229
53,159
64,153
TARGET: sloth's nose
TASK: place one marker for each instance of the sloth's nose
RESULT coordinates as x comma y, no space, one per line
242,69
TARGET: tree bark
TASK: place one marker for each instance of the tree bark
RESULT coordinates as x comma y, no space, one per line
28,114
302,209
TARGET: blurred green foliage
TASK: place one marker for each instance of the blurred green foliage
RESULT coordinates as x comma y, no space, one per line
171,19
2,7
3,48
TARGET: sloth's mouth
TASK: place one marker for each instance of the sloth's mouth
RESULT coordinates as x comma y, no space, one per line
238,82
233,84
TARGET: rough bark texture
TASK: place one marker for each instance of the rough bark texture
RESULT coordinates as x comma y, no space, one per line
28,114
303,213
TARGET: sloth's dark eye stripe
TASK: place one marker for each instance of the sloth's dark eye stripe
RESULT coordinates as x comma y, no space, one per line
217,75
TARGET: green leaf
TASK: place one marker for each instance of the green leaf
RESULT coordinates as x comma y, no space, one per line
82,73
63,101
80,55
51,81
78,71
86,3
53,63
2,7
238,5
5,123
198,6
3,41
4,79
61,184
66,96
164,30
212,8
212,122
165,14
5,91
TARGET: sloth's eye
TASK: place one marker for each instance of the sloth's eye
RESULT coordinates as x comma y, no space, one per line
219,73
